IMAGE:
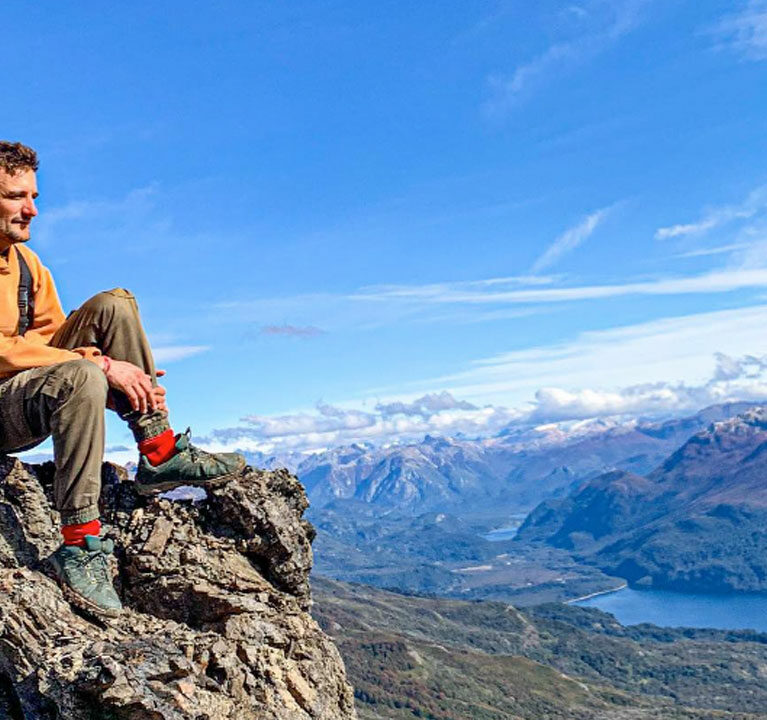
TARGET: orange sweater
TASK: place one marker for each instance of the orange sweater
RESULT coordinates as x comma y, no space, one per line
32,350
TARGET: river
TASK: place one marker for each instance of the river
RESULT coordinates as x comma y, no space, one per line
670,609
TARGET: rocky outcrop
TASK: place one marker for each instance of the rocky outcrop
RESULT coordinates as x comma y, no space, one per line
216,624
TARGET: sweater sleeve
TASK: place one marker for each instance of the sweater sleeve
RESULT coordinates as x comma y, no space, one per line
33,350
22,353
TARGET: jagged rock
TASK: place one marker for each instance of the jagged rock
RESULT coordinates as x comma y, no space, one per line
216,622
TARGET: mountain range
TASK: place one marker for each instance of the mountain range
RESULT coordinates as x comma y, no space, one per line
696,523
418,517
677,504
510,472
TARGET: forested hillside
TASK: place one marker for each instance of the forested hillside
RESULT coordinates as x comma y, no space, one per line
454,660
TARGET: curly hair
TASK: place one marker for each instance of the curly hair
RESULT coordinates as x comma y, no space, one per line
15,157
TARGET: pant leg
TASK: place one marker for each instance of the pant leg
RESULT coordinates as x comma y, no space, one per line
66,401
111,322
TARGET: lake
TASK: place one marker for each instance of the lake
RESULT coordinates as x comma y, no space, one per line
502,533
508,530
670,609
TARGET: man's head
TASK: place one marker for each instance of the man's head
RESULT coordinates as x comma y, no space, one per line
18,190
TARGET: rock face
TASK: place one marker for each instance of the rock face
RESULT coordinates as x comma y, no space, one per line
216,624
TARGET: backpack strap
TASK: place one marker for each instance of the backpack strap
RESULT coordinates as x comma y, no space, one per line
26,295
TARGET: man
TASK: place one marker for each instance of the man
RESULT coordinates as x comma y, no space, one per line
58,374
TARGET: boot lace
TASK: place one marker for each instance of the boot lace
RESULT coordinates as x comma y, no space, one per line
196,454
95,563
91,564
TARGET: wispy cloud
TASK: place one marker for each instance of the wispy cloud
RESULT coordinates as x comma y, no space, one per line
101,217
712,282
600,24
745,32
675,351
330,312
488,300
570,239
716,217
295,331
506,89
506,297
171,353
719,250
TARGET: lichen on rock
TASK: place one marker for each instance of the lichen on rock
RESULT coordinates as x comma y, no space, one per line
216,625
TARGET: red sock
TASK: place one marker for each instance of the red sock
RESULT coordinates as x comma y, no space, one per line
160,448
75,534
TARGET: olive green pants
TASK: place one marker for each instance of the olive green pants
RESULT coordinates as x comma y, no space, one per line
67,401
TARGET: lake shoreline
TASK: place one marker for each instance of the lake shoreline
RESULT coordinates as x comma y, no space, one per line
597,594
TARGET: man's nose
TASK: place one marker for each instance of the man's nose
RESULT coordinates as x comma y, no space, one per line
30,209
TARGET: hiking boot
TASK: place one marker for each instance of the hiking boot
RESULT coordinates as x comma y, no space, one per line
189,466
84,576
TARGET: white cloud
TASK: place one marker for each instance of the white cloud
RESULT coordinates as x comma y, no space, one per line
328,419
743,378
733,378
556,404
716,217
171,353
570,239
426,405
745,32
331,426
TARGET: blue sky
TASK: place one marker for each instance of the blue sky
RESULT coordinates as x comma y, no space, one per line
549,210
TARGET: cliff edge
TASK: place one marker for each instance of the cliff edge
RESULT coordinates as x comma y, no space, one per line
216,595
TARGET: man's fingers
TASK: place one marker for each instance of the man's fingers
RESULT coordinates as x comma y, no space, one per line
147,392
138,391
158,398
132,397
136,385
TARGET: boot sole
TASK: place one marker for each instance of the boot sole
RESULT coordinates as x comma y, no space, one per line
161,487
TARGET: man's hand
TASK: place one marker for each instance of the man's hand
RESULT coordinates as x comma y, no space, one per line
158,396
135,384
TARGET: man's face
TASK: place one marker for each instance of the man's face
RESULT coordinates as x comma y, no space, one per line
17,206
